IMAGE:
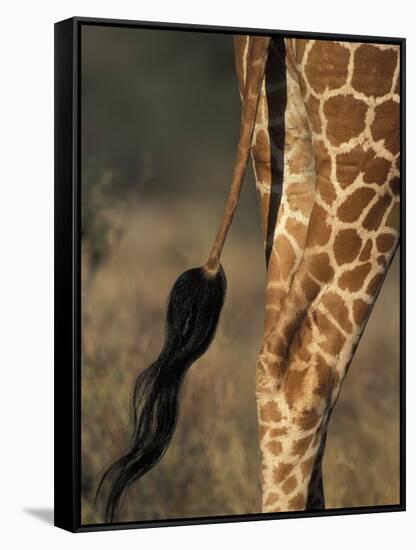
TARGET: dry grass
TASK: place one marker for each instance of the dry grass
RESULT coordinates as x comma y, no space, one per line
211,467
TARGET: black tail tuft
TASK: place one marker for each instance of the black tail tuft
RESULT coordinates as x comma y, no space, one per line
193,311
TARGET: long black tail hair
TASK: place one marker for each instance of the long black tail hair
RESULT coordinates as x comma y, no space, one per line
193,311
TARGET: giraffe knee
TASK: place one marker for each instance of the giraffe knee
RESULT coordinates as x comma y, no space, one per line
269,366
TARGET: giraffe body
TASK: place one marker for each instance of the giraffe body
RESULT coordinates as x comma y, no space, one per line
326,159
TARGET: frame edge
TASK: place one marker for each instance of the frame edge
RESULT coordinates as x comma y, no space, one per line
66,452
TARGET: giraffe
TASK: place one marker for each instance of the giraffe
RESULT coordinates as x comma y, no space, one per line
321,121
326,154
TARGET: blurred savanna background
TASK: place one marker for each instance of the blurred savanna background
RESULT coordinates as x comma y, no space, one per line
160,119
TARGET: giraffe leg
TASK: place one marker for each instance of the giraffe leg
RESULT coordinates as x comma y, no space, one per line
352,235
285,178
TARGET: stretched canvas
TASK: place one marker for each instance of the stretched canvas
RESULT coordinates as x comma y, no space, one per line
229,281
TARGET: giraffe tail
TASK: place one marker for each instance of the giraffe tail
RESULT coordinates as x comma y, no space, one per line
192,315
193,311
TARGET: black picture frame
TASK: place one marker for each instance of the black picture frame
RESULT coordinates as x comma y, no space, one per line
68,274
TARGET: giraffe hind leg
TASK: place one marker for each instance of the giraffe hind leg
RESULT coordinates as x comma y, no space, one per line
282,152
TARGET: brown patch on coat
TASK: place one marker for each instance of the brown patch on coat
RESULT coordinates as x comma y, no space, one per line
300,446
304,354
262,430
281,472
297,502
300,45
356,161
326,190
323,165
374,284
275,447
300,342
386,125
308,419
366,251
345,118
327,65
351,209
293,385
261,149
272,499
373,70
263,172
334,339
353,279
274,370
297,230
277,432
377,171
312,107
289,485
347,245
270,413
375,215
337,308
360,310
324,378
320,231
310,288
320,267
323,159
385,242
